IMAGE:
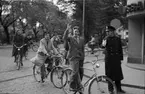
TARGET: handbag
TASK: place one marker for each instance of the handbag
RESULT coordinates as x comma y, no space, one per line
38,60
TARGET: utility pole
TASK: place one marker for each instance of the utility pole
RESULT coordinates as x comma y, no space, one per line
83,22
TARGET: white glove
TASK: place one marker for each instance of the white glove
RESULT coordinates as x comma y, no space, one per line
104,43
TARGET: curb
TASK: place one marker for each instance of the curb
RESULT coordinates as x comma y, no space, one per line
7,46
133,66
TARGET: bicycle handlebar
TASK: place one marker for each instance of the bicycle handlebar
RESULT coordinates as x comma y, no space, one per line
20,46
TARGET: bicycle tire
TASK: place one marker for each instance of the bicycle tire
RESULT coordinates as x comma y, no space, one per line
59,73
105,81
36,72
66,82
35,47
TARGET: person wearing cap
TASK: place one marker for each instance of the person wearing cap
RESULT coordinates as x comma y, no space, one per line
113,57
75,56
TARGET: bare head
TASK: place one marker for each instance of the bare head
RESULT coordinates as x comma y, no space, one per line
47,36
76,31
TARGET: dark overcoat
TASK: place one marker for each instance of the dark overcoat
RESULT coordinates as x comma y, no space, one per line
113,57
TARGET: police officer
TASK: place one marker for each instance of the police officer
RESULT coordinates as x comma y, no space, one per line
113,57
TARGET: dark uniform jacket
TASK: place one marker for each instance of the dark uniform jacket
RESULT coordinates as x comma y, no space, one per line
113,57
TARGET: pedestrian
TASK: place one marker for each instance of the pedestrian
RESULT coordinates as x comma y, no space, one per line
91,44
113,57
75,56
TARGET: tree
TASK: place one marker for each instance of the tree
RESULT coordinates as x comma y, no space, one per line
98,13
6,17
43,12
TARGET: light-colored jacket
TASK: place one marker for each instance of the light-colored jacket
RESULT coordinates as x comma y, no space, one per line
46,48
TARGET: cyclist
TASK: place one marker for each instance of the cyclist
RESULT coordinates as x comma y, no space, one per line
18,40
75,56
94,42
44,52
55,43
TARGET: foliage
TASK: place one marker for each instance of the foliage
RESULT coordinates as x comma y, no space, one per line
98,14
32,15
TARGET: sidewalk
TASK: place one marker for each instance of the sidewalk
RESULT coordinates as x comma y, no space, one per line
5,46
132,77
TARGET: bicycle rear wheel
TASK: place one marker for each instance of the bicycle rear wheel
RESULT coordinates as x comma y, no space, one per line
37,73
56,76
102,85
35,47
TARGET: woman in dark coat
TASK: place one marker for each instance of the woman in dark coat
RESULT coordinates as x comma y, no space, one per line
113,57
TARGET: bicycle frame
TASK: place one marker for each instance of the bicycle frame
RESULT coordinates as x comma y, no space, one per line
95,72
18,56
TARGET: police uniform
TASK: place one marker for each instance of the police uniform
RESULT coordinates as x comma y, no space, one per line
113,57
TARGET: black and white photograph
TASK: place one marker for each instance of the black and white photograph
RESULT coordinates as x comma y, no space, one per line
72,46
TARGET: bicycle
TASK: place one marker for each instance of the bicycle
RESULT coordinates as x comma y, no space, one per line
55,71
33,45
108,88
19,61
88,51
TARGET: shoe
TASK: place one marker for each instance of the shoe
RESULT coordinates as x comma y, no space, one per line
71,89
42,81
121,91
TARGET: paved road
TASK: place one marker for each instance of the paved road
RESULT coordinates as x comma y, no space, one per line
22,82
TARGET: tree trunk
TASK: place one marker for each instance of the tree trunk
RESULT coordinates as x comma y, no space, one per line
7,35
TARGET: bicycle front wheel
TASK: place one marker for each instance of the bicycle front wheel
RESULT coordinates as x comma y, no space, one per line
102,85
37,73
56,76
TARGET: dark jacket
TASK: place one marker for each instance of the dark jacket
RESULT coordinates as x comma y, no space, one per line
113,57
18,41
76,50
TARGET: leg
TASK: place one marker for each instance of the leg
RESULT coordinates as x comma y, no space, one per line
81,70
42,72
118,85
50,64
21,59
75,77
15,58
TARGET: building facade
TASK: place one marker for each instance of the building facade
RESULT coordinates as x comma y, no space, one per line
136,27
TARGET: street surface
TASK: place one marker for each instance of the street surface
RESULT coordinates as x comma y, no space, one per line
21,81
